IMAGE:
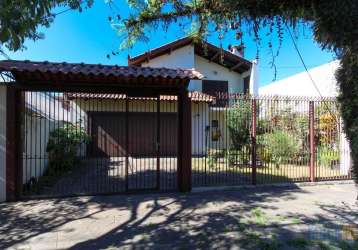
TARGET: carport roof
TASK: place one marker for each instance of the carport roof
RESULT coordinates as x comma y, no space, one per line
194,96
51,71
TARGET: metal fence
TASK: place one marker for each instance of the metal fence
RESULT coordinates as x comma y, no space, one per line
91,143
88,143
266,139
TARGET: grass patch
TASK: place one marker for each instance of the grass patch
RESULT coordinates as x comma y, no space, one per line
268,173
259,216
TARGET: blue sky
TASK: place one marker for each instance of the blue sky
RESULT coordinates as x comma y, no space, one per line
88,37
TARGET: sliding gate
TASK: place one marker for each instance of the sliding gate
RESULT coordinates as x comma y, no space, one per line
90,143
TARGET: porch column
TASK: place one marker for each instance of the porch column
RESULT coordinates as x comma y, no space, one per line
184,141
14,103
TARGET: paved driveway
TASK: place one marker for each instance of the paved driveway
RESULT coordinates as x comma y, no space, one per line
251,218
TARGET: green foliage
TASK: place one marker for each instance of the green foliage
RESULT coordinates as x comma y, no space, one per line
279,147
327,157
62,147
214,156
328,123
234,157
238,123
348,80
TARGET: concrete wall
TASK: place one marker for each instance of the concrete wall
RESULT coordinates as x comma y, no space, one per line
43,114
214,71
36,136
2,143
180,58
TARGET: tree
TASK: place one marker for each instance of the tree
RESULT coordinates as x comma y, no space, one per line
334,24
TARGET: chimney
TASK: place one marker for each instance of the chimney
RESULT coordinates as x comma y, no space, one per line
237,50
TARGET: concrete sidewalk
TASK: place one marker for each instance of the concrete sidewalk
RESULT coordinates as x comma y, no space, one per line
252,218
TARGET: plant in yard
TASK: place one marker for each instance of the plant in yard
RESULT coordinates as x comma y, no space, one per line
279,147
327,156
238,123
328,119
62,147
213,157
234,157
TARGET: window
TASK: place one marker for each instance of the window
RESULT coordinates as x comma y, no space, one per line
215,88
247,85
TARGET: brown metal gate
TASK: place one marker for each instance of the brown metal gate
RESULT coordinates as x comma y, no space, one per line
97,143
109,138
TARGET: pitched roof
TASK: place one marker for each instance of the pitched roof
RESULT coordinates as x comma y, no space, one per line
195,96
203,49
82,71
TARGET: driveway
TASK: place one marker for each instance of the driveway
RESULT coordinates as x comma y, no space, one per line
108,175
247,218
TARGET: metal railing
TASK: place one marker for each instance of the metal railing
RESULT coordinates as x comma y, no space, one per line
88,143
268,139
91,143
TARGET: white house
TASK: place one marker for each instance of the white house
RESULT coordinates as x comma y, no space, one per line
224,71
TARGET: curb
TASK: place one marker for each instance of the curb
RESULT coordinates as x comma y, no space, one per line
291,185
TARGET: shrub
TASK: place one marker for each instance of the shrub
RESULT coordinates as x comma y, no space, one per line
213,157
238,156
238,123
278,147
327,157
63,145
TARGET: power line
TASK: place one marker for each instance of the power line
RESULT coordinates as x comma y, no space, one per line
303,62
308,73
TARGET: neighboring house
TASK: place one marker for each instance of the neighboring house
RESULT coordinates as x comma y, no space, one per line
301,85
224,71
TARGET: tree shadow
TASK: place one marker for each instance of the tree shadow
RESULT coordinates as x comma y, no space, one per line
203,220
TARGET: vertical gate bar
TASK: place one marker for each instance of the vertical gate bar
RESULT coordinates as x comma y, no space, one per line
13,144
184,141
127,144
312,142
253,141
158,142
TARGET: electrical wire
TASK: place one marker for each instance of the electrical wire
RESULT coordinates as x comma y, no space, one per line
308,73
303,62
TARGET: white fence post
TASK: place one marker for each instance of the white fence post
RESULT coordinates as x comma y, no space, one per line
344,152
